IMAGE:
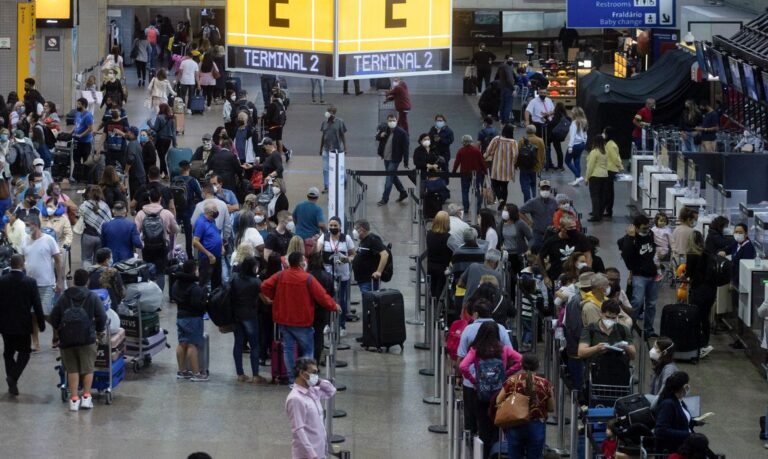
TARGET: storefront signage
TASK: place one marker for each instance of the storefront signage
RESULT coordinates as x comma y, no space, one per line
599,14
372,37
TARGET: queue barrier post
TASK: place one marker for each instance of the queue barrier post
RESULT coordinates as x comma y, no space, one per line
329,404
519,315
642,359
436,398
417,320
574,441
466,444
561,449
427,343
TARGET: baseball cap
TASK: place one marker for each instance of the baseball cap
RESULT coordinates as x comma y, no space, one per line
184,164
19,134
134,130
545,183
267,141
207,136
38,162
562,197
313,192
585,279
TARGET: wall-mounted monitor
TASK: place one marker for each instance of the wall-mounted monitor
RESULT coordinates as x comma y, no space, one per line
764,76
735,65
750,88
487,17
722,70
701,58
54,13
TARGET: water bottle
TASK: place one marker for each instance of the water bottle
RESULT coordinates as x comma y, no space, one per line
758,260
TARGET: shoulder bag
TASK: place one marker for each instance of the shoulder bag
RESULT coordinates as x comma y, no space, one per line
514,410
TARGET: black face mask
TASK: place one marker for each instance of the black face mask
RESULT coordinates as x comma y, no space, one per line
334,231
572,233
215,215
542,97
615,287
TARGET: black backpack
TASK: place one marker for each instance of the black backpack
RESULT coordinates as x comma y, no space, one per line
50,138
153,230
719,270
180,191
389,268
76,328
527,156
22,156
219,308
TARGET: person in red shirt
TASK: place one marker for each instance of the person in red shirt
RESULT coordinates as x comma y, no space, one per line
402,98
470,159
293,294
643,118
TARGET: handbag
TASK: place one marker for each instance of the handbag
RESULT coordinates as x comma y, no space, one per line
488,196
79,227
514,410
560,130
215,73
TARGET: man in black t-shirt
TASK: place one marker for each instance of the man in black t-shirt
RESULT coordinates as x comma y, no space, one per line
141,197
278,239
483,60
371,257
559,247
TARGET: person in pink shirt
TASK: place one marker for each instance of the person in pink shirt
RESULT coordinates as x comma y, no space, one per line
305,412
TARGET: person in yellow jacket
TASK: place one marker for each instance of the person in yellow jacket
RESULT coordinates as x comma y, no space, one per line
597,177
614,167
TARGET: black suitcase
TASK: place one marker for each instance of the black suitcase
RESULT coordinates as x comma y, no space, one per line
60,166
383,319
680,322
133,271
470,85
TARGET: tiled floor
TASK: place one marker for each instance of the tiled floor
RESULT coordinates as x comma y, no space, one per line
154,415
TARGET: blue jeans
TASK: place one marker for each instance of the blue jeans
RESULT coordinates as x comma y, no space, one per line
365,286
528,184
527,331
573,158
304,337
246,330
320,84
527,441
343,302
506,105
645,292
466,183
688,145
391,166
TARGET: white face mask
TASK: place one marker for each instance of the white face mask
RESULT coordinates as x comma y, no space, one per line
233,98
544,193
207,144
216,188
304,266
607,291
426,143
290,226
51,210
313,380
581,265
355,235
276,190
258,218
654,354
391,124
39,169
609,323
327,114
565,206
739,237
558,301
505,215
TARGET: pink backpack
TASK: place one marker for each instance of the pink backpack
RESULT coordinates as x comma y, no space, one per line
454,337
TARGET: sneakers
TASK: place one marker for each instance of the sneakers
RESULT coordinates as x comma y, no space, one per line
577,182
288,154
242,378
326,330
13,388
381,203
74,405
183,374
258,380
343,332
403,197
199,377
325,190
704,351
86,403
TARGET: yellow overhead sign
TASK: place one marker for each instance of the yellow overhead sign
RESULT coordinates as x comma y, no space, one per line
372,37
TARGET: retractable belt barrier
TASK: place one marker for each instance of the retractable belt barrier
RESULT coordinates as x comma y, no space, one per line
330,373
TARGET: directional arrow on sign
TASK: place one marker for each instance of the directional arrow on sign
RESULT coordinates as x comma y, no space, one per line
665,19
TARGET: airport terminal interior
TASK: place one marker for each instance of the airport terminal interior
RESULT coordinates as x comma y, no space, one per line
389,408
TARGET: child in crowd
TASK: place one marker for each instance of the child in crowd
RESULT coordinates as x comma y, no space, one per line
662,235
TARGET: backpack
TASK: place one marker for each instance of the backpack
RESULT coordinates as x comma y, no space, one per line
50,232
454,337
76,328
6,252
180,190
489,377
389,268
50,138
214,36
21,158
219,307
153,230
719,270
527,156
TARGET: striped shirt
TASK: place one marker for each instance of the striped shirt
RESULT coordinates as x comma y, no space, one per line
95,214
503,154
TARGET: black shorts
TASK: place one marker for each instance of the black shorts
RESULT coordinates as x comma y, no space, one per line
275,133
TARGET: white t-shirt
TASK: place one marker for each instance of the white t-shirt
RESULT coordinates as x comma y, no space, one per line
536,107
38,257
188,68
253,237
343,248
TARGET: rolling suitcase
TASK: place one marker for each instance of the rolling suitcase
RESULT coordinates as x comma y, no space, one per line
383,319
174,157
680,322
60,166
151,345
470,85
203,356
197,104
277,364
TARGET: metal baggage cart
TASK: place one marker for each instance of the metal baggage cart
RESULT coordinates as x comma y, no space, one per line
385,106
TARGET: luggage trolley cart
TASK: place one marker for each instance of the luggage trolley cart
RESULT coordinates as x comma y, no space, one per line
109,377
63,152
143,339
610,378
385,106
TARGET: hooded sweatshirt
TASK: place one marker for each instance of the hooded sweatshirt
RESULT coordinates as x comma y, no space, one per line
639,252
189,296
75,297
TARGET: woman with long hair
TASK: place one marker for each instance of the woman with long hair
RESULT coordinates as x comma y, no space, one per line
112,186
245,288
577,143
614,166
662,356
338,250
689,120
702,291
597,177
165,134
557,114
279,201
208,72
674,423
246,233
438,253
94,212
487,223
485,350
502,153
160,89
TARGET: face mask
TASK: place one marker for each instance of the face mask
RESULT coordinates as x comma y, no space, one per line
608,290
215,215
426,143
581,265
654,354
505,215
739,237
642,233
727,231
392,124
110,262
258,218
304,266
80,108
355,235
207,145
276,190
542,97
3,138
609,323
38,169
28,230
143,139
558,301
687,391
544,193
233,98
327,115
290,226
439,124
216,188
313,380
241,122
571,233
51,210
334,231
564,206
